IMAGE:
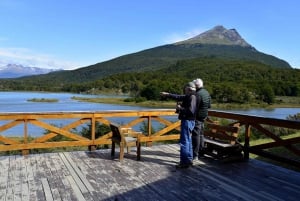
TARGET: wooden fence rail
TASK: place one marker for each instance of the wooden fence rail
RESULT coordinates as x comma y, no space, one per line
164,121
261,124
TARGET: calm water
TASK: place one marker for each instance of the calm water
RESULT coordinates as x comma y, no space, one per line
17,102
279,113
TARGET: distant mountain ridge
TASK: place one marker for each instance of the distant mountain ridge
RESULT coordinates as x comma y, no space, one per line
215,43
16,70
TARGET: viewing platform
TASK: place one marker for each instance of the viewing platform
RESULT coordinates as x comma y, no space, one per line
95,176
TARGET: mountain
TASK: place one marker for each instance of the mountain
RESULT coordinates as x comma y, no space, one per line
15,71
218,36
218,42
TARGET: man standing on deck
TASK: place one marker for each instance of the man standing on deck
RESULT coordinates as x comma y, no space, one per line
187,114
203,103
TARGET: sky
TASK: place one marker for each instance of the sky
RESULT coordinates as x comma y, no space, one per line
70,34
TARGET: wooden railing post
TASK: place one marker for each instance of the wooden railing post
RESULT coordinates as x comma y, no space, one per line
149,144
247,141
149,125
25,151
93,134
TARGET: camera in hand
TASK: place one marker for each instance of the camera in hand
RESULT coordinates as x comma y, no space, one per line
178,104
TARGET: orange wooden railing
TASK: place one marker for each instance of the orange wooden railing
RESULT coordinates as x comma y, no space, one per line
260,123
166,118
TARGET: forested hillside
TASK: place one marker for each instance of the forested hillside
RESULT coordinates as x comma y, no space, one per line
227,80
147,60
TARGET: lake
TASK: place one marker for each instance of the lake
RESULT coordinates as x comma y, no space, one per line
279,113
17,102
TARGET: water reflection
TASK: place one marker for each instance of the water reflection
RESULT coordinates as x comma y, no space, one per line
17,102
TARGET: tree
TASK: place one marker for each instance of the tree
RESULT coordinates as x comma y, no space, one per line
151,92
267,94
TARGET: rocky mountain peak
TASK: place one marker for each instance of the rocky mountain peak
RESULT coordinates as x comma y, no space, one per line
218,36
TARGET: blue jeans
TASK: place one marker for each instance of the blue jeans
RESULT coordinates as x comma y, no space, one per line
186,149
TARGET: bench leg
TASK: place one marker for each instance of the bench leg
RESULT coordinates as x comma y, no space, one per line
121,151
92,147
113,146
138,151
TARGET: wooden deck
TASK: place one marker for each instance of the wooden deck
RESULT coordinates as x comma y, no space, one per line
95,176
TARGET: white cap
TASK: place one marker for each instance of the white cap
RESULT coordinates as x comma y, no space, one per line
191,86
198,82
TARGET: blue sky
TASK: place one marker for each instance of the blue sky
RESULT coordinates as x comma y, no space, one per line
70,34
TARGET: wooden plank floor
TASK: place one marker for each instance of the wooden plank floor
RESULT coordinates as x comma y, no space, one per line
95,176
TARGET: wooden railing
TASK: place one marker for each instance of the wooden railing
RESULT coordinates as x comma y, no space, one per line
164,121
260,124
68,121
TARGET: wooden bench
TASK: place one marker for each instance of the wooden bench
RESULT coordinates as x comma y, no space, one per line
221,142
125,138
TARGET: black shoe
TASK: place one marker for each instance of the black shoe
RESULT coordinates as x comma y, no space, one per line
183,165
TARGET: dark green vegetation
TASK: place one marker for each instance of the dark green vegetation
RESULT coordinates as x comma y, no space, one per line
46,100
228,81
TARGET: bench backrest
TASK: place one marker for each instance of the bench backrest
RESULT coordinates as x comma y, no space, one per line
227,133
116,133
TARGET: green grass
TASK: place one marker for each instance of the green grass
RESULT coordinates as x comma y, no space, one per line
293,102
287,101
122,101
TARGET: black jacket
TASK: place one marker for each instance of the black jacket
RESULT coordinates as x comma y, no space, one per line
188,106
203,103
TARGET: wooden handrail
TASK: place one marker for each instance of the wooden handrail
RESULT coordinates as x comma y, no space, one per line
40,119
259,123
136,117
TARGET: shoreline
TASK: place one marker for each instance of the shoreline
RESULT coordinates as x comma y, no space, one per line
172,104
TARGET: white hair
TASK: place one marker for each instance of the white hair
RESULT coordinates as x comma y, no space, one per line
198,82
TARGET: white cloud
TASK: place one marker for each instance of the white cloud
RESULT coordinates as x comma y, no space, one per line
26,57
176,37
